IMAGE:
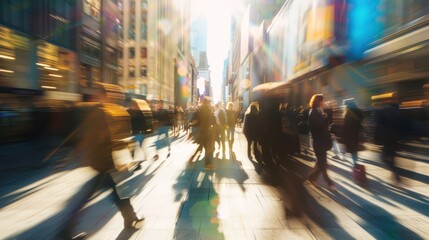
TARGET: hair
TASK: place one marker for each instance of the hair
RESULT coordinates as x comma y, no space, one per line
253,109
350,103
315,100
230,106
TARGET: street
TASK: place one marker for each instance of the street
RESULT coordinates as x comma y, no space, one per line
181,200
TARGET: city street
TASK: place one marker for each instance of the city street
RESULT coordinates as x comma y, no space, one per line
181,200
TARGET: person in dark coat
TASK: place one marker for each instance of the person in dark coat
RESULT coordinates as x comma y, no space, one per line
351,128
318,124
269,131
206,134
250,129
231,117
388,131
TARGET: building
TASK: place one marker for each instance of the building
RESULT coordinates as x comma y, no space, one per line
38,48
199,53
246,26
155,61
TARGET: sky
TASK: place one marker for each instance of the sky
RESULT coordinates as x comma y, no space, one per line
218,14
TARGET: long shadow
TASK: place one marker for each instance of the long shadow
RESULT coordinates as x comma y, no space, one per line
301,204
384,225
411,157
126,234
378,187
14,180
48,229
370,212
198,216
231,169
402,172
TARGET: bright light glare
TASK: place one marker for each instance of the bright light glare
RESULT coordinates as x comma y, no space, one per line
42,64
218,14
50,68
6,71
49,87
55,75
6,57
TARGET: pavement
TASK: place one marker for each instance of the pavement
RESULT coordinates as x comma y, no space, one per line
181,200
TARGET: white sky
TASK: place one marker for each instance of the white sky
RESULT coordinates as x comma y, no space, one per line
218,14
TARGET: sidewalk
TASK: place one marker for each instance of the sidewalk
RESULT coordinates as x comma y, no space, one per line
182,200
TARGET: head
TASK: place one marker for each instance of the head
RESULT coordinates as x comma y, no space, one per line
207,101
253,109
230,105
350,103
316,101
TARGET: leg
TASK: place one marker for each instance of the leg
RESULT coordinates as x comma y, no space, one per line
249,145
323,164
222,139
354,158
124,205
71,222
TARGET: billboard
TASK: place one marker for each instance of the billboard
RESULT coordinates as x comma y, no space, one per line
303,37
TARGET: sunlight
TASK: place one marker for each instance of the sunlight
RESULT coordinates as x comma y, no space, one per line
218,13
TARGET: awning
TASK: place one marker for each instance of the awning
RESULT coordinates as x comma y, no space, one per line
266,87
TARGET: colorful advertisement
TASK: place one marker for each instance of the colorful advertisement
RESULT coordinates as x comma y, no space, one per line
303,35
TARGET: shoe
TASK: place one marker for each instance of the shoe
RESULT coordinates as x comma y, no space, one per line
332,188
155,157
168,155
135,223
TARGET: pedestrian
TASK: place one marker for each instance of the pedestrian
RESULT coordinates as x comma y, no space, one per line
352,128
388,130
95,148
321,139
220,126
231,117
250,129
269,135
165,119
206,134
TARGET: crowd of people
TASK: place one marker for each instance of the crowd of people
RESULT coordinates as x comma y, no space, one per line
272,131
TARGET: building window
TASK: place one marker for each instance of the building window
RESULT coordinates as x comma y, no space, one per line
132,31
131,72
92,8
144,5
143,52
414,9
143,71
131,52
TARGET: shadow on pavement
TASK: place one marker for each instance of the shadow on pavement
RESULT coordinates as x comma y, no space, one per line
198,215
377,221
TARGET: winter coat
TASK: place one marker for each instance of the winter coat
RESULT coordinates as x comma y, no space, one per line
319,129
351,129
250,125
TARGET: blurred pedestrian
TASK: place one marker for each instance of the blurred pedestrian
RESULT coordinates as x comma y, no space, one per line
165,119
388,129
206,134
231,117
250,126
95,148
322,142
352,128
220,126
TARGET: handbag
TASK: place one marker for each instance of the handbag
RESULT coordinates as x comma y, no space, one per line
359,173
